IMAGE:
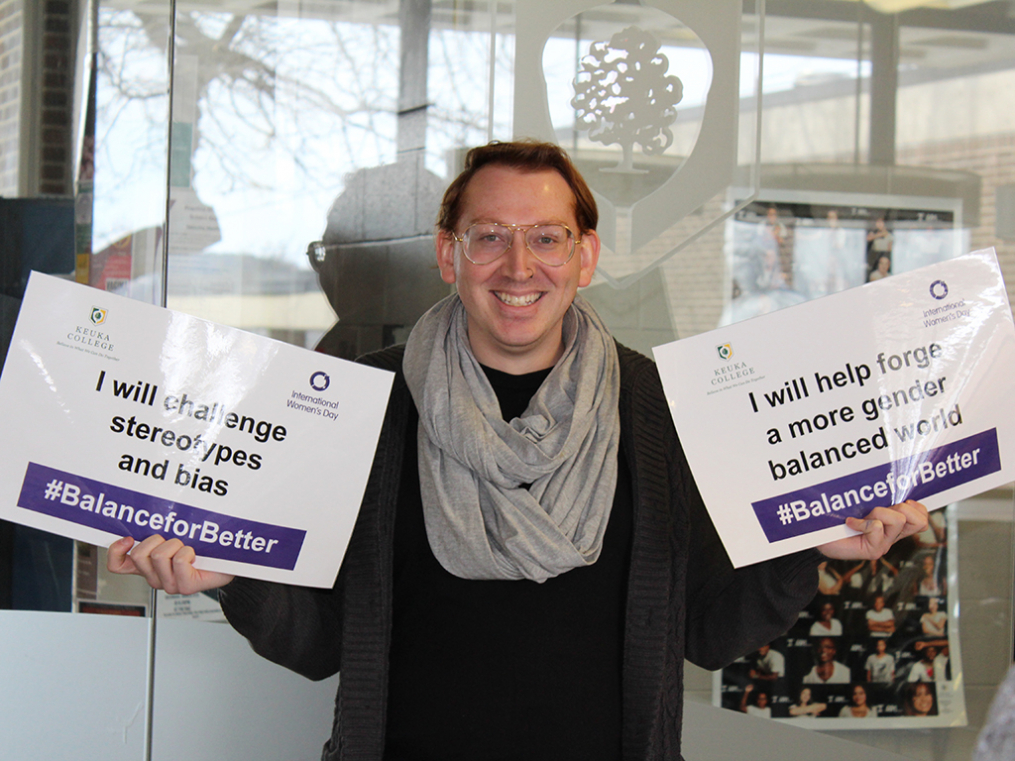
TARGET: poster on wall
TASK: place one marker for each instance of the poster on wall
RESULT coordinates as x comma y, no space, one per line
877,648
127,419
785,250
879,645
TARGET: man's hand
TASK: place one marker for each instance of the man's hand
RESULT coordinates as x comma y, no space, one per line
882,528
167,565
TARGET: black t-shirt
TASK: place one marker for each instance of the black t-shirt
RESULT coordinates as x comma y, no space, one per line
505,669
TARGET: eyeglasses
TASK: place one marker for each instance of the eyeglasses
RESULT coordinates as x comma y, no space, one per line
317,252
485,242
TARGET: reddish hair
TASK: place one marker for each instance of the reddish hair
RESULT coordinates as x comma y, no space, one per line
526,156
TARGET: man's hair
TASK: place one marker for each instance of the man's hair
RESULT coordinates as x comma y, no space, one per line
526,156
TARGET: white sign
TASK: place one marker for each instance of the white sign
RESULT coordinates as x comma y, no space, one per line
124,418
899,389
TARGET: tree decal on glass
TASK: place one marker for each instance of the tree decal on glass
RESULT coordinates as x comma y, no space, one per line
623,95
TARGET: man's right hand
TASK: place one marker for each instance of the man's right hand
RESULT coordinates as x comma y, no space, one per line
165,564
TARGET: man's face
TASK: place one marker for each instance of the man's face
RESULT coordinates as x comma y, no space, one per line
881,646
826,650
762,700
929,653
879,603
516,304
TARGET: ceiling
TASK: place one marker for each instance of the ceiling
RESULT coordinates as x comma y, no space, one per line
940,35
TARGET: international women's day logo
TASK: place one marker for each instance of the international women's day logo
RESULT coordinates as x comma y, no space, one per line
320,381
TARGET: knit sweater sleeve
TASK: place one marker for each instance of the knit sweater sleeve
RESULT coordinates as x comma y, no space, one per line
305,629
734,612
731,612
296,627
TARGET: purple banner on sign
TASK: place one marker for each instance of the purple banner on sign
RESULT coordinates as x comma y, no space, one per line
124,512
918,477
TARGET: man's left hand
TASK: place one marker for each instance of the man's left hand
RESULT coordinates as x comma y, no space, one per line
879,530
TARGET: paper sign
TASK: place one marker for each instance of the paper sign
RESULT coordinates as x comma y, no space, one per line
124,418
899,389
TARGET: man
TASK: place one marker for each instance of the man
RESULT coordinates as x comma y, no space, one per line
827,670
880,664
880,620
933,666
532,561
769,664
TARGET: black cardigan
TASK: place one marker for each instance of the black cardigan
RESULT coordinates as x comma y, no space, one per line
684,599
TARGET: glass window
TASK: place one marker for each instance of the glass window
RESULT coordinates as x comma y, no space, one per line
277,168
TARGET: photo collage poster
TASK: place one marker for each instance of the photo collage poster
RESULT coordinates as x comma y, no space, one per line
784,252
877,647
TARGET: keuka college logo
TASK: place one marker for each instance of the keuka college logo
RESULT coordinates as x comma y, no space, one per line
90,337
731,373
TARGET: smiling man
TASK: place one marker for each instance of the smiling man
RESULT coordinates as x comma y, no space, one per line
520,280
532,561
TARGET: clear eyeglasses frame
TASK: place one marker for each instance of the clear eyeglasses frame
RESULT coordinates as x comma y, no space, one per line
485,242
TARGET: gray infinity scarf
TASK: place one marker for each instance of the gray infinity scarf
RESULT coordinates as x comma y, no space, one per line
481,520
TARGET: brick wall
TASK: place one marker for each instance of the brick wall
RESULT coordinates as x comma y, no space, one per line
11,48
53,61
56,175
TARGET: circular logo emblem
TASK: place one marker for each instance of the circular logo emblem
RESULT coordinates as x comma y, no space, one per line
938,289
319,381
